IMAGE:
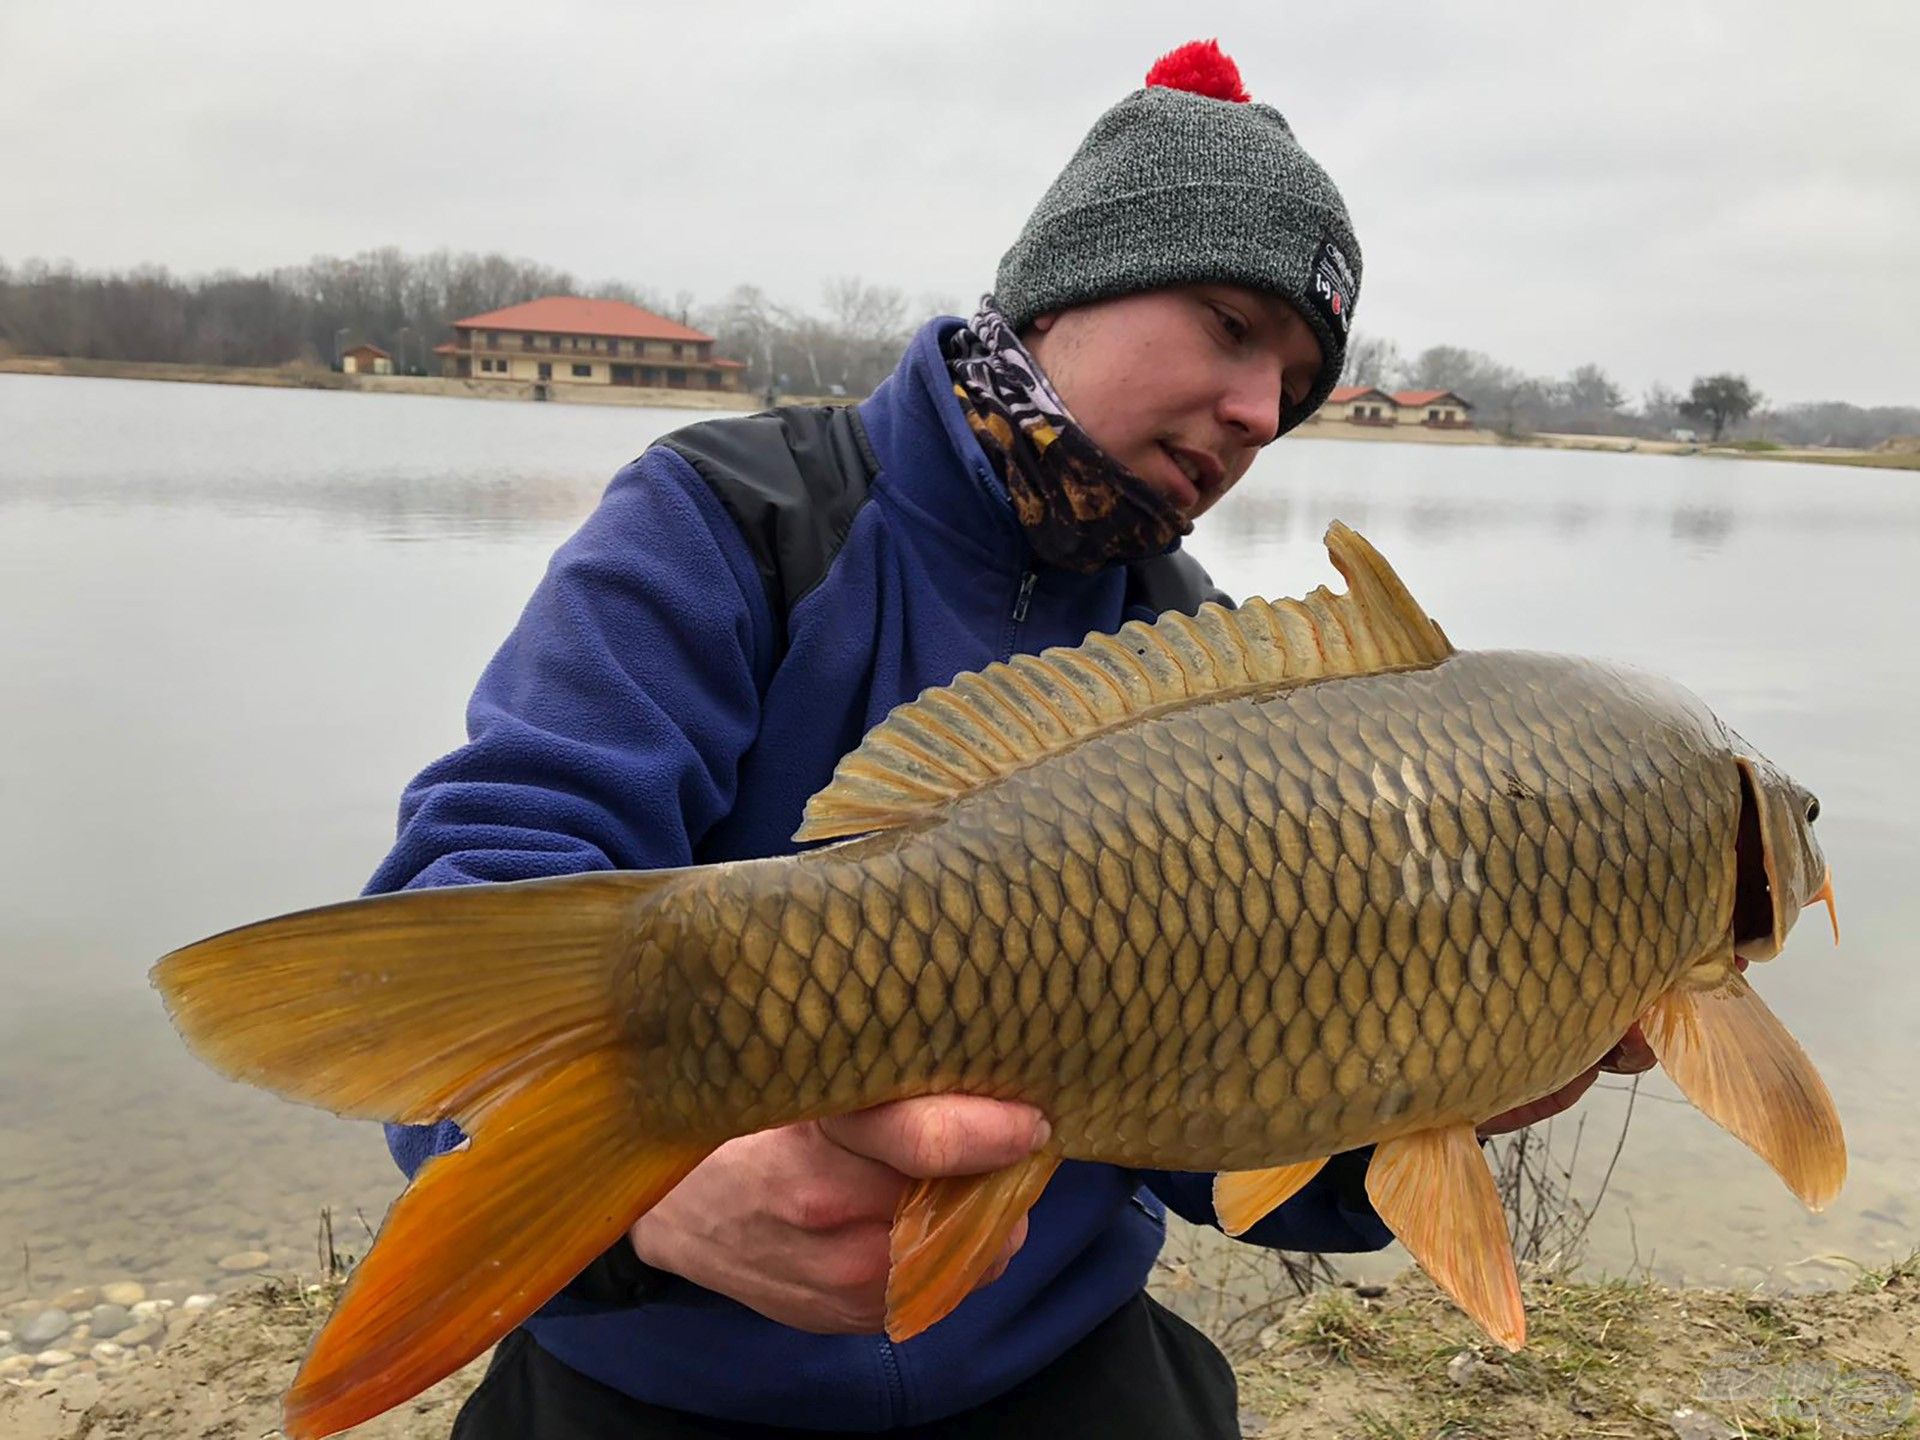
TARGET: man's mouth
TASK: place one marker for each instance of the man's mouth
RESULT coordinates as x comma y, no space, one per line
1202,472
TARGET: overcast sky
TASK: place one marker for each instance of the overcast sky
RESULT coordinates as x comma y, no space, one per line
1667,188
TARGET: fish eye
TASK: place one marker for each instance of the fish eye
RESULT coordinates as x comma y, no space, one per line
1813,809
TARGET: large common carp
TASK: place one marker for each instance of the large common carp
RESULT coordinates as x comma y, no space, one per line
1229,892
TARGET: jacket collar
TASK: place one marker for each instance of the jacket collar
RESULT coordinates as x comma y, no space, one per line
930,460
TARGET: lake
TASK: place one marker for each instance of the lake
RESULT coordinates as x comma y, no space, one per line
234,622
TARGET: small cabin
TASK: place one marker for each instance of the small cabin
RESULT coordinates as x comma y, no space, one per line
366,360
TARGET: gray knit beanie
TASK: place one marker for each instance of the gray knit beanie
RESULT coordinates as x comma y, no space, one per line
1186,182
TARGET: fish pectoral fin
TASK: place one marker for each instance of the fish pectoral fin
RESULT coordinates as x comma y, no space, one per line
947,1233
1736,1062
1242,1198
552,1175
1436,1194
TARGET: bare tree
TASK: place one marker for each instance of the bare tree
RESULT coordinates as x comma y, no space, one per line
1372,361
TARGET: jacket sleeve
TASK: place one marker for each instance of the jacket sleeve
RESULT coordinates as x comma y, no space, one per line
1330,1214
606,732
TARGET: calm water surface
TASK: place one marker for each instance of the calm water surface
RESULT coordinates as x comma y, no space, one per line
234,622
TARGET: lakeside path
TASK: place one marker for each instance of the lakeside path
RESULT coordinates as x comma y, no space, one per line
1613,1358
296,377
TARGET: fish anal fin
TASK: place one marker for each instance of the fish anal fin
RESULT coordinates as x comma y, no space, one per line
948,1232
1242,1198
1740,1067
957,738
1434,1191
484,1236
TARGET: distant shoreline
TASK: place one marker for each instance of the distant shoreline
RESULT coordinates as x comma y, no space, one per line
305,377
300,377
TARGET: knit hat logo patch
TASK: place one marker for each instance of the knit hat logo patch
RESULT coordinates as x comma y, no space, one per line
1333,286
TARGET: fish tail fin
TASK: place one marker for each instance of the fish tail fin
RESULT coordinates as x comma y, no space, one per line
517,1010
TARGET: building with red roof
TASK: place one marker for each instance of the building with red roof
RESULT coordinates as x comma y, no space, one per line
1441,409
1359,405
563,339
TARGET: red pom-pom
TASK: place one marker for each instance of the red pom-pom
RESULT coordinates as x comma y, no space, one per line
1199,66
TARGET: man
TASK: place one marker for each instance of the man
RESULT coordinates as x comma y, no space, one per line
750,597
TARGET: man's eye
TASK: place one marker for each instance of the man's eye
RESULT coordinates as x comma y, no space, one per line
1235,326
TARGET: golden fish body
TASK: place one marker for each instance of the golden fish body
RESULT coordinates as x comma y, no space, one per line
1230,892
1237,934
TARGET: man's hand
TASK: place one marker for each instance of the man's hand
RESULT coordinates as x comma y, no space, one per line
794,1222
1629,1057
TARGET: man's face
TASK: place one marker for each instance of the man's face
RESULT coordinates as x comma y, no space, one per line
1181,386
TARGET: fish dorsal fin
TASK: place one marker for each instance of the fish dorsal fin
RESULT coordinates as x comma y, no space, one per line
990,723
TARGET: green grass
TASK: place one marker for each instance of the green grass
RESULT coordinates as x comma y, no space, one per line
1900,1272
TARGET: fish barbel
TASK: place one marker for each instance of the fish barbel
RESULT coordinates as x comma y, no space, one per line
1229,892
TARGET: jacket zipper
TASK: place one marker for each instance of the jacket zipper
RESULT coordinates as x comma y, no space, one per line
1022,602
896,1390
1025,597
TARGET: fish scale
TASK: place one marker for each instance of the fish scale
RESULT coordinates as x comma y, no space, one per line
1230,892
1243,933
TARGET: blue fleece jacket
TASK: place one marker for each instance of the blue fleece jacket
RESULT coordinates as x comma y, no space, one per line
642,714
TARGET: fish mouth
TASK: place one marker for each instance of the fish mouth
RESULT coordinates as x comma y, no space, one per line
1754,936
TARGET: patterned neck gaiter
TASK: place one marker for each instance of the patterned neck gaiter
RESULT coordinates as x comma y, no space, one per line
1081,509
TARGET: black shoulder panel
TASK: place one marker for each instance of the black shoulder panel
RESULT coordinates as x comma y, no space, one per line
793,479
1172,582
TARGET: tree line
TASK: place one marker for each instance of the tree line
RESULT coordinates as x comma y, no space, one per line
848,342
1586,401
406,304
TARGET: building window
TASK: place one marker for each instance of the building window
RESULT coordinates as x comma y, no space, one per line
1433,415
493,339
676,352
583,372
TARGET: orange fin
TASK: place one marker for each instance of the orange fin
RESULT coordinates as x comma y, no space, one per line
1736,1062
1825,892
484,1236
414,1006
504,1007
1242,1197
1436,1194
947,1234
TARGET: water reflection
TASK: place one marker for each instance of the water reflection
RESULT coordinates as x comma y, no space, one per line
1706,526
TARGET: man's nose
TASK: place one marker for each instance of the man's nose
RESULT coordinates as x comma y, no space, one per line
1252,403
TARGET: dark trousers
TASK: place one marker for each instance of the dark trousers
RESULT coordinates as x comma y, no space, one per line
1143,1372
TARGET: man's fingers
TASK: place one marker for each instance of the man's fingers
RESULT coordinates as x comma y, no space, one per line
1631,1056
1545,1108
938,1135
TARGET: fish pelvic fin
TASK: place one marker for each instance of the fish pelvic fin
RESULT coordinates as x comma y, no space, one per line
1242,1198
986,725
1740,1067
1435,1192
523,1012
552,1175
948,1232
